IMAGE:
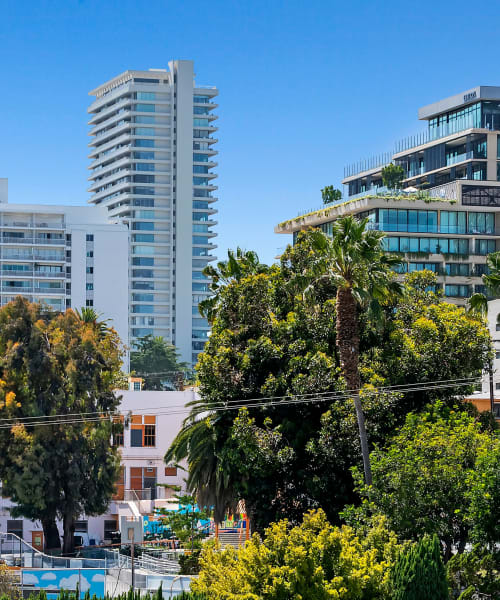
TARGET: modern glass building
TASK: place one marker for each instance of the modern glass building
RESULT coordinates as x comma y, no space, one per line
447,217
152,153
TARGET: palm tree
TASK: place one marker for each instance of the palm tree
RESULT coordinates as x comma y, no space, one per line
90,316
478,303
353,259
197,441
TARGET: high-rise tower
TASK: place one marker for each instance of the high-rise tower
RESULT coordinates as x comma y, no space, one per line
152,159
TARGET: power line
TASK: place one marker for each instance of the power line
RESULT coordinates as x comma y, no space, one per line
250,403
441,383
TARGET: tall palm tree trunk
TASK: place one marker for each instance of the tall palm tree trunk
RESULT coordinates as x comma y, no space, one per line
348,347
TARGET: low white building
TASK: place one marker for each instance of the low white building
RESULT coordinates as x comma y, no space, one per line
65,256
151,422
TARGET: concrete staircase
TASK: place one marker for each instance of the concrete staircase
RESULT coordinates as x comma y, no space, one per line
234,539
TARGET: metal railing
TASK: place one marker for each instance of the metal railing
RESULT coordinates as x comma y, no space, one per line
137,495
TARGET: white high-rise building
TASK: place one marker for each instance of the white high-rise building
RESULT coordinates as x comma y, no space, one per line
152,159
64,256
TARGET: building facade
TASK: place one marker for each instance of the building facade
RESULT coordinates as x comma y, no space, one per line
447,217
152,153
64,256
151,421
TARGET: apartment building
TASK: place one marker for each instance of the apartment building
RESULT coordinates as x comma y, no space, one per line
152,153
64,256
151,421
446,218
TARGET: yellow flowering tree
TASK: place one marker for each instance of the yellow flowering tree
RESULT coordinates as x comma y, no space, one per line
56,364
311,561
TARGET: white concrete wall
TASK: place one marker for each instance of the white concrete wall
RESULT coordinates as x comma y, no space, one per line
184,207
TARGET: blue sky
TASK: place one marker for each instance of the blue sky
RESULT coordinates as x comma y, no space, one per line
305,88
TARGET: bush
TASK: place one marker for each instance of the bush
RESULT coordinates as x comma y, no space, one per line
419,572
312,561
190,563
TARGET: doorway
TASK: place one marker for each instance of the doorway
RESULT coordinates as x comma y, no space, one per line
37,540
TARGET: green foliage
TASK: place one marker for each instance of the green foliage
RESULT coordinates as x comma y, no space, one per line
419,572
190,563
269,339
183,521
130,595
331,195
430,476
57,364
157,361
476,572
392,176
313,560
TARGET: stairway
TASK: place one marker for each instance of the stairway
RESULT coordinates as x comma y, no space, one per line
234,539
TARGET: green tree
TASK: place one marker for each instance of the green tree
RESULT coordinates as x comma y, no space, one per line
392,176
419,572
157,361
270,341
313,560
353,260
331,195
183,522
425,480
473,573
56,366
479,302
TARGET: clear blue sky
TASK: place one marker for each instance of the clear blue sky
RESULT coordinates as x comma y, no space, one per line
305,88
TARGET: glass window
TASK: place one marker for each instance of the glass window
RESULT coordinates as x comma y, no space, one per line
200,228
197,122
458,269
204,251
200,287
146,96
481,223
143,297
143,285
198,239
144,143
144,155
144,167
143,226
200,157
143,250
144,131
143,237
144,214
457,291
484,247
145,107
404,244
142,308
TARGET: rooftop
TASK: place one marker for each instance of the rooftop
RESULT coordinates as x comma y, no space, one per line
481,92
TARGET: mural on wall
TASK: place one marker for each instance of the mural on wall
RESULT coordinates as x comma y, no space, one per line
54,580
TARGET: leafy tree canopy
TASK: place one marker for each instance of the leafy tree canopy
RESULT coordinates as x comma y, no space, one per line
270,340
435,478
157,361
313,560
331,195
57,364
392,176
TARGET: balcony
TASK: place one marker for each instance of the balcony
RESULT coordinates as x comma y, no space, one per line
32,241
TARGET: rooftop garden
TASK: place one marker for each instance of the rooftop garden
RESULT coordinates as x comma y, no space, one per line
393,196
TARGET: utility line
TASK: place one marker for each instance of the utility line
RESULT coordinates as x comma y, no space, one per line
332,394
245,404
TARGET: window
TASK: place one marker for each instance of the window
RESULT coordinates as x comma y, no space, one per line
199,228
457,291
142,273
452,222
90,270
497,354
145,107
90,254
110,528
200,181
144,131
118,434
142,308
170,471
143,237
143,297
143,431
427,245
200,169
481,223
497,386
144,155
144,214
81,526
481,269
89,286
143,226
475,195
15,526
144,178
143,285
144,143
145,95
90,237
150,435
201,99
485,247
143,261
137,386
200,157
457,269
89,302
143,249
200,287
200,334
198,239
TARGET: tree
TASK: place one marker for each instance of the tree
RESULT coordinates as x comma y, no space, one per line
419,572
183,522
270,341
54,367
479,302
157,362
474,573
425,480
313,560
331,195
392,176
353,260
